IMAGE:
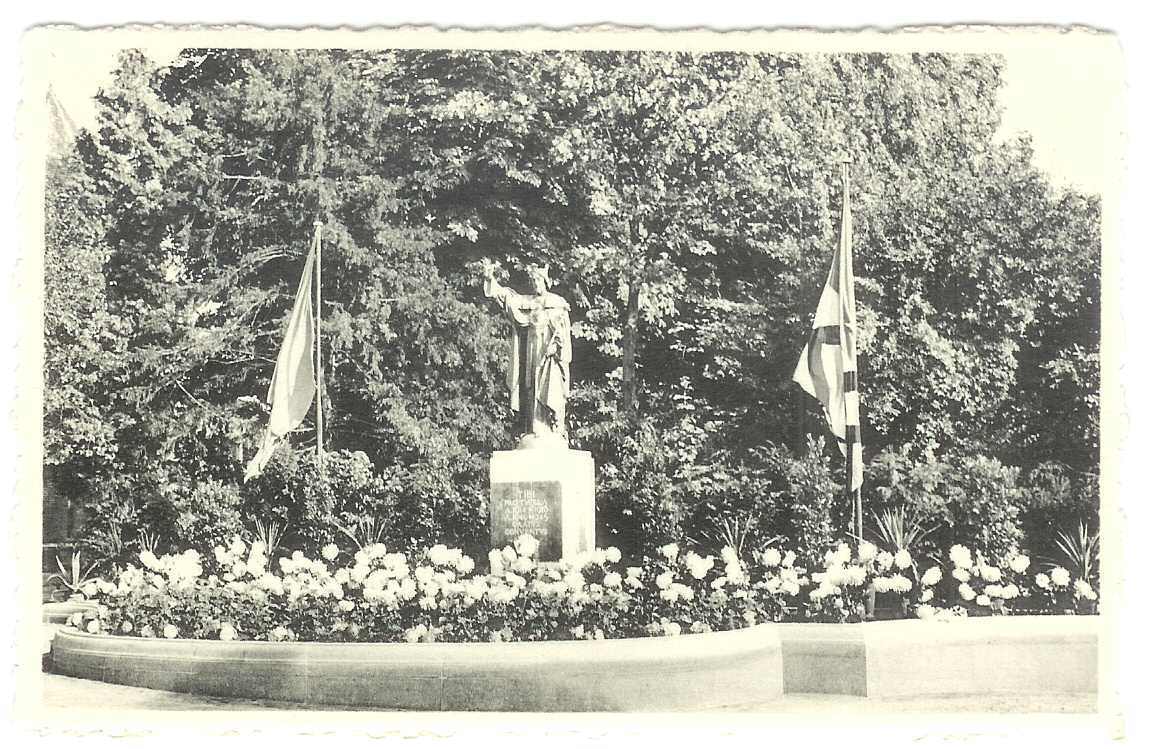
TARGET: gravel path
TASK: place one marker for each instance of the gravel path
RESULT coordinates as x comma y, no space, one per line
83,695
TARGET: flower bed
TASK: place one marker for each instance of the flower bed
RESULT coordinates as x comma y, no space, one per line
379,596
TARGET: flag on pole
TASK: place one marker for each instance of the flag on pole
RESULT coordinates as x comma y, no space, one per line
292,389
828,364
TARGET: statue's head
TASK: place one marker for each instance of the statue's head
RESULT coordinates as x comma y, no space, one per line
539,278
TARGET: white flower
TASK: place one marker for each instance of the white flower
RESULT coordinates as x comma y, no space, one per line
346,606
330,552
901,584
881,584
90,589
843,553
1019,563
961,574
170,631
92,626
866,551
522,565
902,560
465,565
1084,590
75,619
698,566
612,580
227,632
1042,580
966,592
926,612
612,554
789,559
665,579
993,591
1010,591
526,545
1059,576
772,558
927,595
669,551
982,600
960,555
932,577
884,560
148,559
854,575
729,555
990,574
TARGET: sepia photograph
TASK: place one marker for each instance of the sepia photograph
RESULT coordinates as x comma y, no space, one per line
573,372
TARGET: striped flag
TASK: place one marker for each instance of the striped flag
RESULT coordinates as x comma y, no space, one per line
828,364
292,388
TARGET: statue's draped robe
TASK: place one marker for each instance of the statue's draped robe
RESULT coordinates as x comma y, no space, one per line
540,361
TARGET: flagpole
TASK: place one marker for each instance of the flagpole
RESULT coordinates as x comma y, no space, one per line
318,335
853,496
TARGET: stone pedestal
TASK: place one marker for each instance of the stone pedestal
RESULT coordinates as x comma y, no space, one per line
548,492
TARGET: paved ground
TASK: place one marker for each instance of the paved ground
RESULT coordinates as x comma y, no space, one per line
82,695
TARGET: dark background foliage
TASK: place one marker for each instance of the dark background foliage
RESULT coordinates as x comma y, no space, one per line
687,204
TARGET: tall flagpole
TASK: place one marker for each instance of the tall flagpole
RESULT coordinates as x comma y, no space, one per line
318,334
853,496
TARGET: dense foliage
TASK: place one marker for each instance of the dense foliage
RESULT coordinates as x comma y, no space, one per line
687,204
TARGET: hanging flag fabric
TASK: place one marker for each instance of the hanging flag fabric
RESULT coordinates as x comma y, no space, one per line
828,364
292,389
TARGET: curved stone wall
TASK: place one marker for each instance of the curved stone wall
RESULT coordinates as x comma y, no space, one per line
1029,655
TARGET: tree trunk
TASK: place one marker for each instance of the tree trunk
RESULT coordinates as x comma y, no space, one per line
631,334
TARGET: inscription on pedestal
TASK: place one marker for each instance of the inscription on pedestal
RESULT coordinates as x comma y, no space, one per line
533,507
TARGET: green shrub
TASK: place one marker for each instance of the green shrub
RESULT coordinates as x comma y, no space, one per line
294,492
208,515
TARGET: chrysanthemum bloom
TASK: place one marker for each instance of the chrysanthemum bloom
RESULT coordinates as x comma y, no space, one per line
960,556
901,584
925,612
932,576
1059,576
1042,580
126,627
346,606
698,566
982,600
612,554
612,580
664,579
526,545
1084,590
966,592
866,551
146,631
927,595
881,584
93,626
1011,591
1019,563
990,574
961,574
884,560
902,560
772,558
